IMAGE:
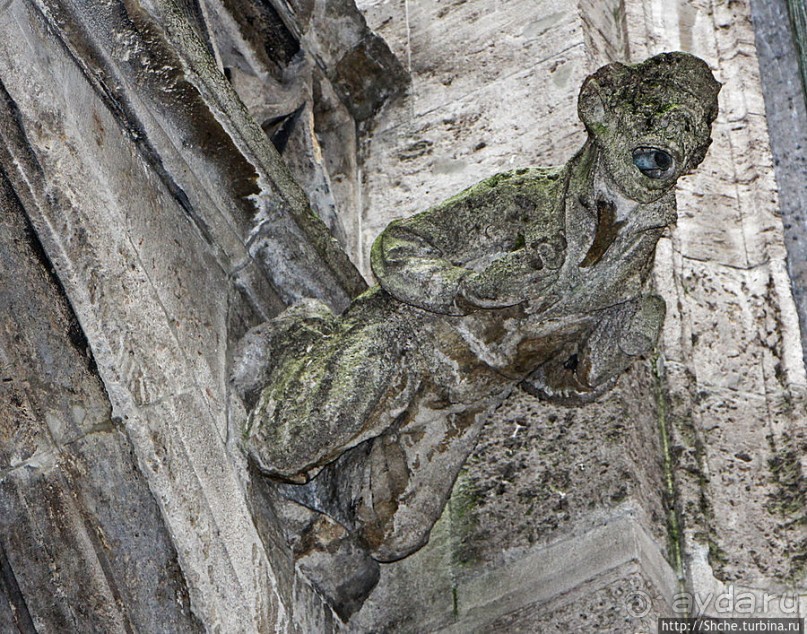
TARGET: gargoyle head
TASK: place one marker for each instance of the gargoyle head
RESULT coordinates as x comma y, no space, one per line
651,122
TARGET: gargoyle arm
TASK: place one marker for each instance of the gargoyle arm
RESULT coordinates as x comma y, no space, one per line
477,250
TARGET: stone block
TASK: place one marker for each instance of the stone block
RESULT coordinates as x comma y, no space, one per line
738,481
486,46
389,19
621,601
726,352
611,575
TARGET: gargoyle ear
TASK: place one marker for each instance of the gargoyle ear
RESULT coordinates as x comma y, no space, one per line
598,90
590,105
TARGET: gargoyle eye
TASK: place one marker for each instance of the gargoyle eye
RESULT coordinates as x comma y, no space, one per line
653,163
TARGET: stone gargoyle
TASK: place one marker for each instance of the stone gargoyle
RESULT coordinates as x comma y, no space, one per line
534,278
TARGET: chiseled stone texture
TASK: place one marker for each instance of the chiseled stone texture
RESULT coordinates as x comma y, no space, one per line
76,514
786,115
539,474
730,379
542,479
153,194
734,370
622,600
150,191
308,72
472,110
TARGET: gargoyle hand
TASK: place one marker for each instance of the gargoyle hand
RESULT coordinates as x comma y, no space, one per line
516,277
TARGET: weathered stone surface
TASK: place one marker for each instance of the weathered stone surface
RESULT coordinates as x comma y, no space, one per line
455,127
166,89
77,516
528,590
309,73
786,117
358,62
541,472
728,217
622,601
605,31
491,80
733,339
533,276
102,150
476,43
539,476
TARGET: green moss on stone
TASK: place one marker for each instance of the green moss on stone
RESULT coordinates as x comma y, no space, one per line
786,473
464,502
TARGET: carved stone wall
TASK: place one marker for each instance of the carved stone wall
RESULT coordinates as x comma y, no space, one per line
147,222
782,53
149,211
697,456
734,360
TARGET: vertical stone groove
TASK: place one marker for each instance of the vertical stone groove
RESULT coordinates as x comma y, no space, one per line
11,589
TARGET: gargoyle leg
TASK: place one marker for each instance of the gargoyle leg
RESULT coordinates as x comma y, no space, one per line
409,475
331,388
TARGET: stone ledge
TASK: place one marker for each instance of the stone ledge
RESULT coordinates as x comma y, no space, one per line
548,573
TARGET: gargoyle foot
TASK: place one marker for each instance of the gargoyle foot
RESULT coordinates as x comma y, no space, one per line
333,559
